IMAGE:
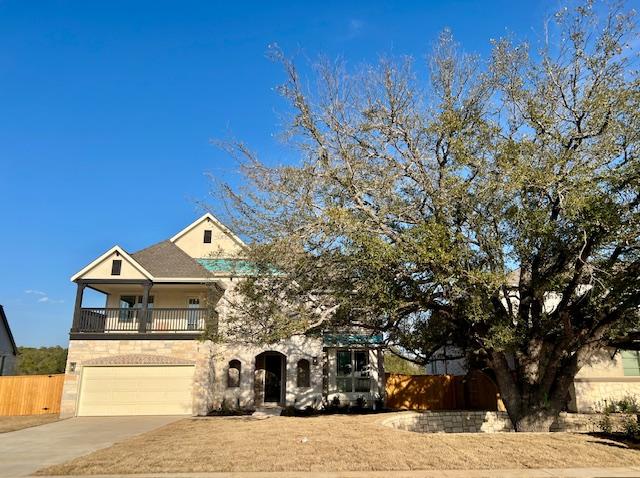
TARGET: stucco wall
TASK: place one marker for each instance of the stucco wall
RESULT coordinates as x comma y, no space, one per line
162,297
102,270
222,244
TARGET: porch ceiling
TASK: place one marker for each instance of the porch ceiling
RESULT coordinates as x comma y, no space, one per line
118,288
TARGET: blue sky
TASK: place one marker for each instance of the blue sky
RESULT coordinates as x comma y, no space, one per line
107,109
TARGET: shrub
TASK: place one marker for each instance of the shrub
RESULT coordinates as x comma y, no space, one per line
605,424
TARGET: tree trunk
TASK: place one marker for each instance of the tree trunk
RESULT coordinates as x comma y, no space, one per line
535,420
532,405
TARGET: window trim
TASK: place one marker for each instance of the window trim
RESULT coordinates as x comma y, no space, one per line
355,375
208,236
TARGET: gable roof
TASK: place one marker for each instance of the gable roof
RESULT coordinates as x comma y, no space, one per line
214,220
120,251
165,259
3,316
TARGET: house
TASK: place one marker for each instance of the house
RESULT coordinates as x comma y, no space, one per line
8,349
143,353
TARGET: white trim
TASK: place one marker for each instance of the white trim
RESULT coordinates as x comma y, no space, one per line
123,253
215,221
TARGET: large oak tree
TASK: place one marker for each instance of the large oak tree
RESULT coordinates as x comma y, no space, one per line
493,205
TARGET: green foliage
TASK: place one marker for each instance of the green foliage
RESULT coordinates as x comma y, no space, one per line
605,425
395,364
455,208
628,408
41,361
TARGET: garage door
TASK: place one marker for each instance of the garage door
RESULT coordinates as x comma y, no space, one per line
141,390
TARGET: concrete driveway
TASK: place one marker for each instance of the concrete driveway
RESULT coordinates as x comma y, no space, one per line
24,451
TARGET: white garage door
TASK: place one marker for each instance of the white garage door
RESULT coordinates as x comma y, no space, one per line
136,390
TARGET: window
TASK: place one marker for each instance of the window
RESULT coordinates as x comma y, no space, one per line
233,374
116,267
129,304
352,371
631,363
303,374
207,236
193,315
2,357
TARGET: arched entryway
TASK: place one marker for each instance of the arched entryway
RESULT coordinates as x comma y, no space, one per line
270,379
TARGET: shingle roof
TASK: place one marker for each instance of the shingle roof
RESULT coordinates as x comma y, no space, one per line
165,259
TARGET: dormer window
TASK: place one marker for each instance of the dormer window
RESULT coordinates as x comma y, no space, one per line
116,267
207,236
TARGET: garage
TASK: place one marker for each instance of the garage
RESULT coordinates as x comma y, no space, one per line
136,390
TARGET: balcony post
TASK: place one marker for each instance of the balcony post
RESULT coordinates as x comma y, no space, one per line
78,306
142,325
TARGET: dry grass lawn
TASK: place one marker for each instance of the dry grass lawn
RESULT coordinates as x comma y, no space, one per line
337,443
10,424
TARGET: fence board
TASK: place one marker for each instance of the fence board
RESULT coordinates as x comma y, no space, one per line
30,394
441,392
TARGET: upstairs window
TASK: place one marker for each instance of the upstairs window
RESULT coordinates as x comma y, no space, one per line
631,363
303,374
207,236
233,374
116,267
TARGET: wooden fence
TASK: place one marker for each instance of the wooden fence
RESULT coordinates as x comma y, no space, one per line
475,391
30,394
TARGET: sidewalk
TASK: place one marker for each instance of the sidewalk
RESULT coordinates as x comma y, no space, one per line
630,472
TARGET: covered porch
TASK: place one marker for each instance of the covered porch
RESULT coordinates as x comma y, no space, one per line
143,307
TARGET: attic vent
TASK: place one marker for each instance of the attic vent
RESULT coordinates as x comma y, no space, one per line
207,236
116,267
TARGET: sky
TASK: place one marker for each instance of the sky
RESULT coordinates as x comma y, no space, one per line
108,110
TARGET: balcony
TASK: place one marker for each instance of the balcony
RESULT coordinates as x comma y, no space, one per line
188,323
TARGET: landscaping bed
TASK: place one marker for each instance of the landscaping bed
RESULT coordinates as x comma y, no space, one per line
339,443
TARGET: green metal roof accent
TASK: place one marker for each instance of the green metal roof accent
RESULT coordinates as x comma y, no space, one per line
224,266
341,340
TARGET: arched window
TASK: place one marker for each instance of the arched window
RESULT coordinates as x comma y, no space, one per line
304,373
233,374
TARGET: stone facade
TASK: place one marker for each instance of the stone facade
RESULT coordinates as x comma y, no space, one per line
591,394
211,389
293,350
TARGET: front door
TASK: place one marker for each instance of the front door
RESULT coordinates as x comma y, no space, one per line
272,378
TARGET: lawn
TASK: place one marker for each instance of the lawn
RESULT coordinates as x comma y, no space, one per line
10,424
337,443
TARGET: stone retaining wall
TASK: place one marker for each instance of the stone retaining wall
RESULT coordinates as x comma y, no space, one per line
450,422
487,422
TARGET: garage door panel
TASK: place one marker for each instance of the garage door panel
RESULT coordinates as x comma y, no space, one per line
136,390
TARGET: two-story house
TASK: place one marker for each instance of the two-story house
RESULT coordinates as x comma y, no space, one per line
144,352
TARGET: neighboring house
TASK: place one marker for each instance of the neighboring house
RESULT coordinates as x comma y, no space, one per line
143,352
8,349
612,373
